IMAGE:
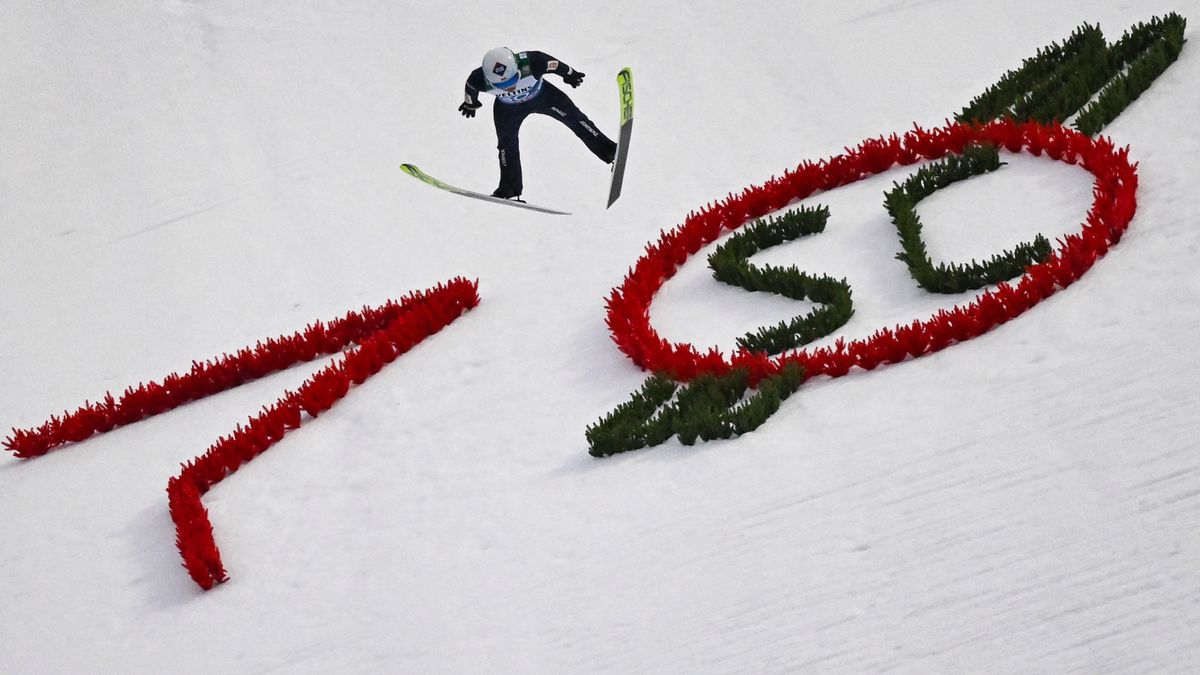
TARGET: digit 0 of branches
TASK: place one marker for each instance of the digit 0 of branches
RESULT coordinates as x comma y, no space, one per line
901,202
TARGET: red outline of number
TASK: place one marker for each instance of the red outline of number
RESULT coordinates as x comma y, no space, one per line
1112,209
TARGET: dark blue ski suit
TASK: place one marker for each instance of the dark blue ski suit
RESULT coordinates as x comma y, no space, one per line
531,94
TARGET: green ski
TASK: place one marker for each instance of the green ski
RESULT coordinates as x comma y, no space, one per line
625,83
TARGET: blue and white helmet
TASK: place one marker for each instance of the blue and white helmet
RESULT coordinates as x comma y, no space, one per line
500,68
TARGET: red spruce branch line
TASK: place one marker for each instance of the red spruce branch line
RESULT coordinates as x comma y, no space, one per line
423,316
1112,209
381,334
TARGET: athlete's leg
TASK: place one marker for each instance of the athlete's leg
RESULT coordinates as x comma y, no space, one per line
508,120
555,103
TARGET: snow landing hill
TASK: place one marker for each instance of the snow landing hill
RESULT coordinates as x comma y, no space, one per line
179,179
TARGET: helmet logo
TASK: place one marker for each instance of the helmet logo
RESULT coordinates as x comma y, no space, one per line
499,68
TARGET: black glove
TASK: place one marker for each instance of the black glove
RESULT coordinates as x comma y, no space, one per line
468,110
573,78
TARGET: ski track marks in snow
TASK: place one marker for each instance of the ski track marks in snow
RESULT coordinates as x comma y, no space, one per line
171,221
893,8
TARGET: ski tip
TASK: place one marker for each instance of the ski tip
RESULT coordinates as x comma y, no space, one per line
412,170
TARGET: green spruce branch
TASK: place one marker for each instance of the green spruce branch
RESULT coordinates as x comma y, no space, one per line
710,407
901,202
730,264
1084,76
1140,56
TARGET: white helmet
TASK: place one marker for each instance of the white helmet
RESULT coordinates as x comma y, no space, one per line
500,68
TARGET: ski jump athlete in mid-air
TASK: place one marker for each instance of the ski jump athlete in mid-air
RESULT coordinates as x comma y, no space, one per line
516,82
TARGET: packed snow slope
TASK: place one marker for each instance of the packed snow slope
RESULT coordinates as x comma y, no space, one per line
179,179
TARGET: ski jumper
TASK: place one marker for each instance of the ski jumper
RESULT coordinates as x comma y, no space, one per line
524,94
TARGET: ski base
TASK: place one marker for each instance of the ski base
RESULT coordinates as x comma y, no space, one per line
420,175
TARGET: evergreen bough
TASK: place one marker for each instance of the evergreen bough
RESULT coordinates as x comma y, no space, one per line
711,407
901,203
1084,75
730,264
1015,89
632,425
1144,53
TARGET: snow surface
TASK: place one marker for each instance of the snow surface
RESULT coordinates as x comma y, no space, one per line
179,179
